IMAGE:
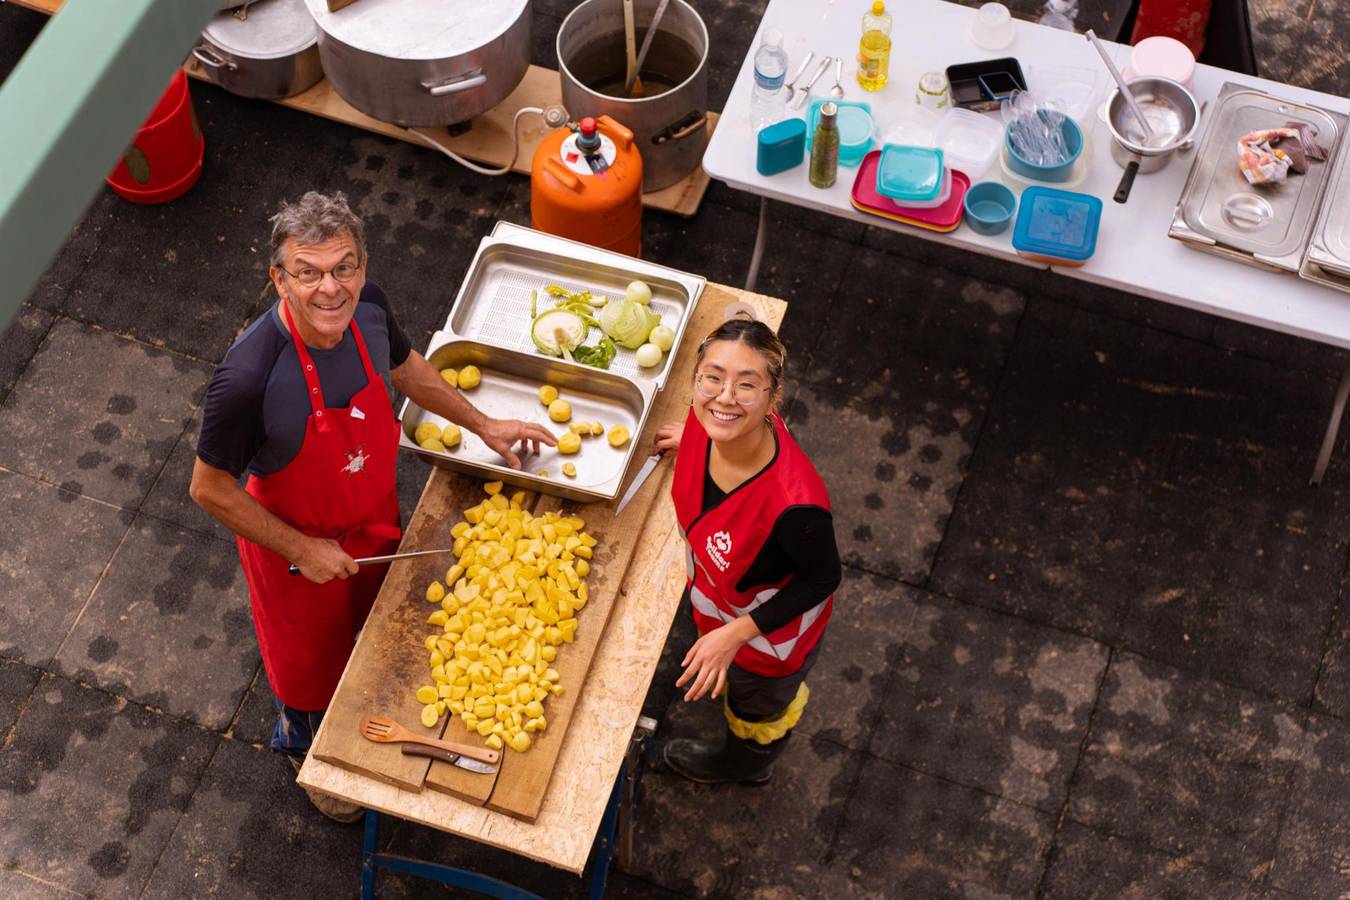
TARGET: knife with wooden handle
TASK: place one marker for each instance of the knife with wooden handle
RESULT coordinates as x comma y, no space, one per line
449,756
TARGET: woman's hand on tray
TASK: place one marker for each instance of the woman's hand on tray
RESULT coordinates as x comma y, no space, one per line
668,437
502,435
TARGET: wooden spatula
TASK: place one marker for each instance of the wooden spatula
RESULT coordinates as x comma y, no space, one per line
335,5
378,728
630,40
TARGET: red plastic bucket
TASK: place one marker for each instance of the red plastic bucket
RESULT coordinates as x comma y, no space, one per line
164,160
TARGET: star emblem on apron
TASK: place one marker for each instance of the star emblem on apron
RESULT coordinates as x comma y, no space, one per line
356,462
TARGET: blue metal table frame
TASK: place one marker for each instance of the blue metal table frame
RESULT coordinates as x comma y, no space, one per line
615,837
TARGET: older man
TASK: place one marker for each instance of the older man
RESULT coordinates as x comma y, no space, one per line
302,403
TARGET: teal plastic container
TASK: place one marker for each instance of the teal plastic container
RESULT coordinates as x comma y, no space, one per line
856,129
781,146
1058,227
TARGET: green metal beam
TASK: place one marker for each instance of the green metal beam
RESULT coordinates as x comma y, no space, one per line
68,110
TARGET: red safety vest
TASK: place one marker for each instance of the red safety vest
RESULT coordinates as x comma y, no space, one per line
724,542
341,485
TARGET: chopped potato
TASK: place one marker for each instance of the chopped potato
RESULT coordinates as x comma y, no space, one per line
569,442
469,378
618,436
450,436
450,376
570,470
507,605
426,431
547,394
560,410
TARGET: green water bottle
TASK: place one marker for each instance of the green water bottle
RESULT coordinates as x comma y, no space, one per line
825,147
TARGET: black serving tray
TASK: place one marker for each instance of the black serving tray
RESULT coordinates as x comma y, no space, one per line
964,78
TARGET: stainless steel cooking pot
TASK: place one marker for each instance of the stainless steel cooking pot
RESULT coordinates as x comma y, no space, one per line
670,118
270,52
424,62
1172,116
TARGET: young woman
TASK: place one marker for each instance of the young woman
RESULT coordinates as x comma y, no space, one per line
763,564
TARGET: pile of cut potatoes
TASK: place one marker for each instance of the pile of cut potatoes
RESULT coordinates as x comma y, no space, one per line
511,601
569,442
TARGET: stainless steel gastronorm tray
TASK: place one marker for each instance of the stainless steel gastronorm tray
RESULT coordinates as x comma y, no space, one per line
1220,212
493,304
510,390
1329,249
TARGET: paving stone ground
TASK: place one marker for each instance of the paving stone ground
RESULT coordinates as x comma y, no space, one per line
1092,640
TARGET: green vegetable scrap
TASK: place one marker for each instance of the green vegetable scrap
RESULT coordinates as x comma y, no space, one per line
598,356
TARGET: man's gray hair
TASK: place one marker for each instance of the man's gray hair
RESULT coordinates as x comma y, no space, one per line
313,218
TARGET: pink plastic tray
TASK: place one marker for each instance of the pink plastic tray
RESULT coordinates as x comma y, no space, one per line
938,218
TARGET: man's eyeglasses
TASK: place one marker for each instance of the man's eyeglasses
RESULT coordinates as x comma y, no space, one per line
710,385
310,276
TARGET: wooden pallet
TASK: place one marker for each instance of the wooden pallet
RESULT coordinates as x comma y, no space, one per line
488,138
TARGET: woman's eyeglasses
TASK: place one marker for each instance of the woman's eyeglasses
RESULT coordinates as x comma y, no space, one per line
710,385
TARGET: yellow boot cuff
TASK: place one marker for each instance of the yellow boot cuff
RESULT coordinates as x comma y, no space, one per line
768,732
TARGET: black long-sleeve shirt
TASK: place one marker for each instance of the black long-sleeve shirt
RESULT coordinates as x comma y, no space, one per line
801,545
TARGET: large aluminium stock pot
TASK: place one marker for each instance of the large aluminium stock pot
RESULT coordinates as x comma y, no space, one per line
424,62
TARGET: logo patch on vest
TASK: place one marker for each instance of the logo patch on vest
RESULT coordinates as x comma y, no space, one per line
719,548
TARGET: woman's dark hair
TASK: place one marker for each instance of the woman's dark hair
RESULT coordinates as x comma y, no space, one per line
759,337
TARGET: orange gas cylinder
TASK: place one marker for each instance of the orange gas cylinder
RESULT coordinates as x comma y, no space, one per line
587,185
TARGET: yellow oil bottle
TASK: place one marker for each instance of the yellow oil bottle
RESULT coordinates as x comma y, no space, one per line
874,50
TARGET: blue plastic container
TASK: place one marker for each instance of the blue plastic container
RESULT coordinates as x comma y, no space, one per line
989,207
1057,227
1073,142
909,174
781,146
856,128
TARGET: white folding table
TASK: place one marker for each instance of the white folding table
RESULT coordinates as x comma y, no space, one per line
1134,253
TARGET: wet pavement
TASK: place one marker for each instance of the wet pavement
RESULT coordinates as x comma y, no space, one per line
1090,641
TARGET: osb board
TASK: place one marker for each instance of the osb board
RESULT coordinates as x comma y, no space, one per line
389,663
609,702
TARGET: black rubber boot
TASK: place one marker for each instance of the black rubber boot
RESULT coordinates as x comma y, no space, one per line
736,760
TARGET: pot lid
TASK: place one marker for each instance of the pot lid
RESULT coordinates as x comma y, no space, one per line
418,29
269,29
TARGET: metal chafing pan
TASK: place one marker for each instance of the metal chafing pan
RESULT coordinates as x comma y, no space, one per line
1218,211
1329,250
510,390
493,304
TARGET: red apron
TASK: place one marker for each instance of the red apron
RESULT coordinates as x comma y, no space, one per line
341,485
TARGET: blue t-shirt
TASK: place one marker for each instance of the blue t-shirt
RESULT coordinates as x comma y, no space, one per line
257,406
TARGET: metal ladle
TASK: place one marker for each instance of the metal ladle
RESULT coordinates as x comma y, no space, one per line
1124,88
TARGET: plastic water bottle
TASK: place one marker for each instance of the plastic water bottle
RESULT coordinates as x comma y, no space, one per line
771,60
1060,14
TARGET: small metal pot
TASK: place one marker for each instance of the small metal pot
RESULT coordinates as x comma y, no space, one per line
270,52
1172,114
669,120
424,62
